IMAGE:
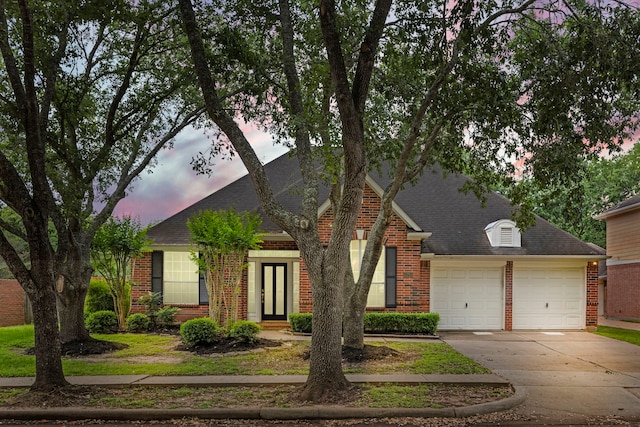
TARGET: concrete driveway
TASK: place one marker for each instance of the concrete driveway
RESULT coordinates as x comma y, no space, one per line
569,376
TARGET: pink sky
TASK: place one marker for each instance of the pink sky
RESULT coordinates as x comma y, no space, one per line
172,185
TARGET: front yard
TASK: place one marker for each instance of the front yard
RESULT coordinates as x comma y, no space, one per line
159,355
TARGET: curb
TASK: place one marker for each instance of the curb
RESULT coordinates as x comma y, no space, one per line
310,413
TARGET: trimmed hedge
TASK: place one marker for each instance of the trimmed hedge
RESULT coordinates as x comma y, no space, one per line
300,322
401,323
404,323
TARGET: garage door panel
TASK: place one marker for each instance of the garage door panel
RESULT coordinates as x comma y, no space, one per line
548,298
467,298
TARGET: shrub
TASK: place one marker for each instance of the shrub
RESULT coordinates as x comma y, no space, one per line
300,322
98,297
409,323
138,322
245,331
404,323
166,316
102,322
201,331
151,302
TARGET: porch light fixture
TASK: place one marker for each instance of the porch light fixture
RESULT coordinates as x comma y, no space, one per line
360,234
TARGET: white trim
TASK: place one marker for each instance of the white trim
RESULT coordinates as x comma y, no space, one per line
173,248
420,235
273,254
460,263
622,261
432,256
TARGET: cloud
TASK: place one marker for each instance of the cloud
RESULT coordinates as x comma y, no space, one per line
172,185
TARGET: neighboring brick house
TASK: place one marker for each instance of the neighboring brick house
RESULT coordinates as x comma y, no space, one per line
443,252
623,265
14,308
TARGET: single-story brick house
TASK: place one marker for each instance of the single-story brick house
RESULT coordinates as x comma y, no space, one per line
623,264
443,253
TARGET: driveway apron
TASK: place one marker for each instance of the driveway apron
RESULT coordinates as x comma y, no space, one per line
567,375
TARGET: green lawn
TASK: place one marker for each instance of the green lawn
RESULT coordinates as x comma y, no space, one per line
157,355
628,335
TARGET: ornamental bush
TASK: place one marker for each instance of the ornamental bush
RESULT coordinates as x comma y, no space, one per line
102,322
245,330
138,322
166,316
300,322
201,331
98,297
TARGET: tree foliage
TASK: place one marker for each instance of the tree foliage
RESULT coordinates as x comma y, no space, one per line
474,86
602,184
89,94
223,239
116,243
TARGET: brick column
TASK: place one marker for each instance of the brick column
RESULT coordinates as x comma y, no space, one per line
508,296
592,296
141,277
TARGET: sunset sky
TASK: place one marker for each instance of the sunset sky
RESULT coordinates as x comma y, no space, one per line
173,185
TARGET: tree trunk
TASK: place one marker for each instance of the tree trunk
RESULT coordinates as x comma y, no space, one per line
49,373
353,327
325,368
72,291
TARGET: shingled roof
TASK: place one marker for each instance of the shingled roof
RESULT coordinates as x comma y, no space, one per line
455,220
629,204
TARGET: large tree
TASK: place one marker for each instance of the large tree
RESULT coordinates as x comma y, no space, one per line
90,92
471,85
602,183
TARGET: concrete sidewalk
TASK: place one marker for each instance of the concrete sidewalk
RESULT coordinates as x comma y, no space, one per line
257,380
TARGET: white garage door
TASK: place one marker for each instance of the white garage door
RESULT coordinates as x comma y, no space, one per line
548,298
467,298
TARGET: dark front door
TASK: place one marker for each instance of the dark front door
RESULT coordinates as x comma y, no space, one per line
274,291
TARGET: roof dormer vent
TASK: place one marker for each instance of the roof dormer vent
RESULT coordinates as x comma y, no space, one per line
503,234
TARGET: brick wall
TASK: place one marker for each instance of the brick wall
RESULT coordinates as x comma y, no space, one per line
12,303
142,278
623,291
412,289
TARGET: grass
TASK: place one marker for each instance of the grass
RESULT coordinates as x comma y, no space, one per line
157,355
628,335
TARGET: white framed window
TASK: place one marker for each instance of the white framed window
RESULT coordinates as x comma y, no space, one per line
180,279
376,292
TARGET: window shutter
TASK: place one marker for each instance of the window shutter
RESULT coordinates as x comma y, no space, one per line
390,279
202,288
157,259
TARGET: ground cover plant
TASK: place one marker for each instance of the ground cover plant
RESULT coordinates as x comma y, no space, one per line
628,335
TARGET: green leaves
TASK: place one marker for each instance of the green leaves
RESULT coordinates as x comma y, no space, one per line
225,231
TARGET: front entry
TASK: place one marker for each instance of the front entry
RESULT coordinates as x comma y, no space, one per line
274,291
